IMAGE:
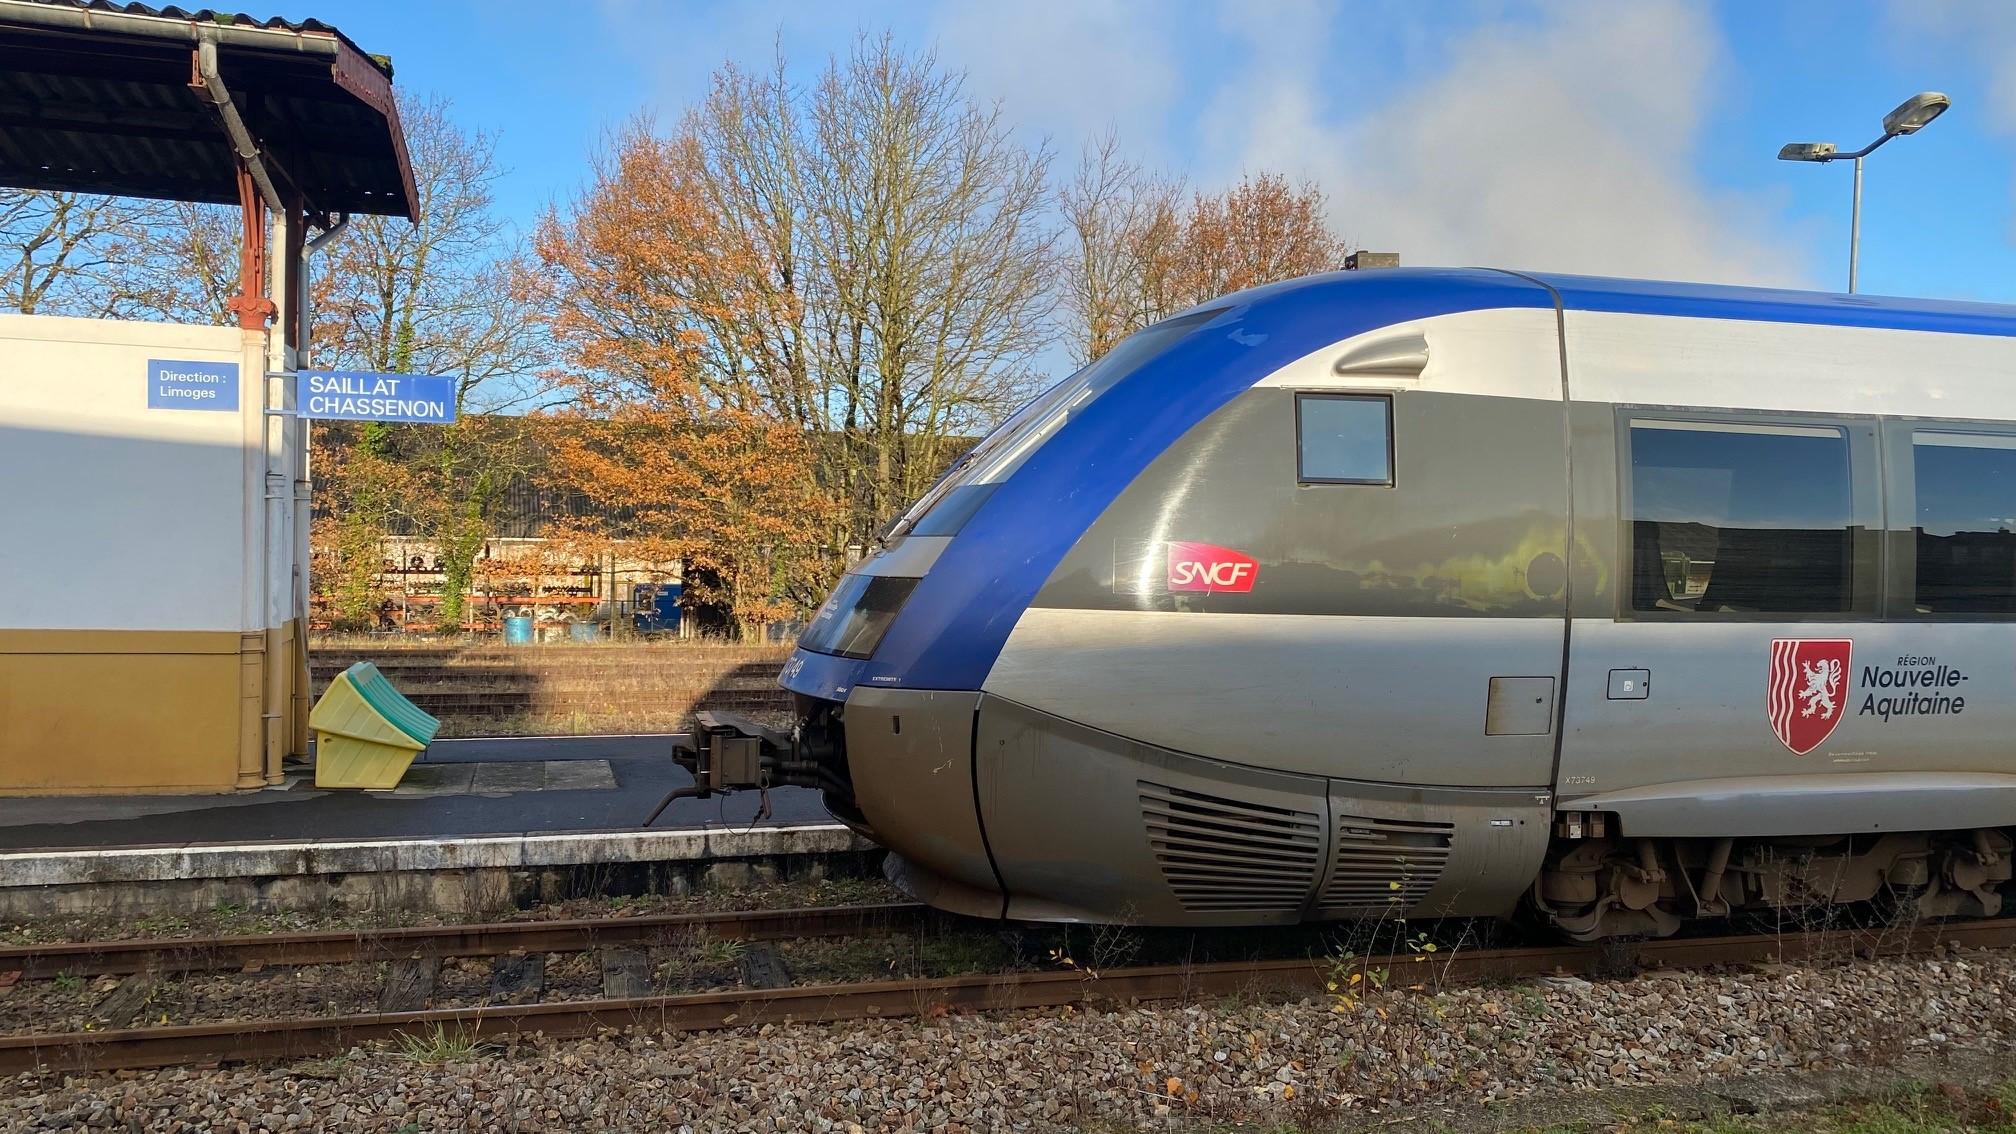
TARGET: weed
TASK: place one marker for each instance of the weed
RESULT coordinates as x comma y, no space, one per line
950,954
68,983
1345,982
161,924
1114,946
329,1068
1530,1003
438,1046
718,952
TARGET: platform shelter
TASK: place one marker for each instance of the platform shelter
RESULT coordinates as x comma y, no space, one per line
154,490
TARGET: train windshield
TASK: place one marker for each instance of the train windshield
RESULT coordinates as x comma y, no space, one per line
972,478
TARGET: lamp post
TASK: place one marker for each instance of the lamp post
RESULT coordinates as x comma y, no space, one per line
1910,117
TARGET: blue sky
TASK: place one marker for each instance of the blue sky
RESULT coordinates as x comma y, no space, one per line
1630,138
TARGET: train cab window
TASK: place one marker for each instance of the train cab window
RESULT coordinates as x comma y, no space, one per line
1965,526
1344,438
1738,519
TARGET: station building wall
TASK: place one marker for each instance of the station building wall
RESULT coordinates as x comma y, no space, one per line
144,625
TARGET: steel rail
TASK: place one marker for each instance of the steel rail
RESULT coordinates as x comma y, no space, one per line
224,954
301,1038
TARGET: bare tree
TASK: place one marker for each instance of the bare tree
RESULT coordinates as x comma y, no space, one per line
1124,226
187,268
441,294
1139,253
425,295
935,290
73,253
867,259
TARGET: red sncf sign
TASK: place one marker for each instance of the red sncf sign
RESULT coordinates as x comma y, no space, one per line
1208,567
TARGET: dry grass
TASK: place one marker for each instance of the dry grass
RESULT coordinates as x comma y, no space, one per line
393,643
480,687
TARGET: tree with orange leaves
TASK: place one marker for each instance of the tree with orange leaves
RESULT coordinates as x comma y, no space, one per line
865,257
726,498
840,284
1260,231
1139,254
644,291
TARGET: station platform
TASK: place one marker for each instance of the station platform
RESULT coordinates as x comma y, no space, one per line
458,788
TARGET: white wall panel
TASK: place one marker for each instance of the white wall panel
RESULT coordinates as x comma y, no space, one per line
115,516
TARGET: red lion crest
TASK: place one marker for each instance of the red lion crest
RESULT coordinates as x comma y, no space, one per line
1808,690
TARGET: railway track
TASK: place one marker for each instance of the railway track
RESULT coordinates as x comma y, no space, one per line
162,956
285,1039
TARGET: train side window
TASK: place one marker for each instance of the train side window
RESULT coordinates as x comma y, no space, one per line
1741,519
1965,526
1344,438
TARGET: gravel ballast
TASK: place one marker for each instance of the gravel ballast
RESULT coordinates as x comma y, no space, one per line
1310,1061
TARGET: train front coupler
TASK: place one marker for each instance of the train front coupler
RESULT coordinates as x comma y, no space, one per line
729,752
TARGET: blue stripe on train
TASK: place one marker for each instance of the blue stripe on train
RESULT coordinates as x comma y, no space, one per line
952,629
1774,305
949,633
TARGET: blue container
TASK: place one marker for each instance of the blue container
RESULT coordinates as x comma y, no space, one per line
585,632
656,606
518,630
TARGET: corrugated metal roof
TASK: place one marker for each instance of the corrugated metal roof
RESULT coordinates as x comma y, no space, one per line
212,16
95,96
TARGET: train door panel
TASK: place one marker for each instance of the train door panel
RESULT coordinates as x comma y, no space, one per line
1451,579
1748,579
1935,689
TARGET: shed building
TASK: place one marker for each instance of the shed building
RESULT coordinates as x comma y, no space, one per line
183,668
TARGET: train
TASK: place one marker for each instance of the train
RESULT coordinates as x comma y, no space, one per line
1424,593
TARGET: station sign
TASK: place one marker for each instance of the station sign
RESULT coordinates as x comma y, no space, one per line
360,395
173,384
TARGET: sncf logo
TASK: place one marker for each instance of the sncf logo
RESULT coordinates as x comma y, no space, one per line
1208,567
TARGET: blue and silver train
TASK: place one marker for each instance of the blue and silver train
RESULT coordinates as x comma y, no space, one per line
1450,592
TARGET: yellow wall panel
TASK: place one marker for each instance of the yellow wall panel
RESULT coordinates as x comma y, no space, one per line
111,711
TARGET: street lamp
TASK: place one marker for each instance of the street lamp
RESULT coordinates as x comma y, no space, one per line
1910,117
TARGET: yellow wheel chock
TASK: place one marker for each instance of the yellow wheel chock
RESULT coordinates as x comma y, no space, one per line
366,734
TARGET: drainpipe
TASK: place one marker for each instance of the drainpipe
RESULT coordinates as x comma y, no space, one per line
255,307
315,245
234,125
303,496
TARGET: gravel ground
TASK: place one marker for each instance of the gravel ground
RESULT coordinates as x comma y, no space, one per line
696,964
1308,1062
227,920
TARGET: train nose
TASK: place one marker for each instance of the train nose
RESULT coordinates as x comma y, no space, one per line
910,756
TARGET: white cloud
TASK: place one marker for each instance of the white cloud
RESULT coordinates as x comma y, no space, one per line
1980,33
1069,69
1547,134
1985,30
1565,143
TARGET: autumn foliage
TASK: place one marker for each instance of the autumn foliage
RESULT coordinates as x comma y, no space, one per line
644,279
753,337
726,497
708,475
1142,252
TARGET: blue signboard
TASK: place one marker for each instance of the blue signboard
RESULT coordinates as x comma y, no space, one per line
192,385
357,395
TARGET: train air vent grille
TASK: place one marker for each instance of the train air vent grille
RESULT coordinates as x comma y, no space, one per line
1385,863
1227,855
